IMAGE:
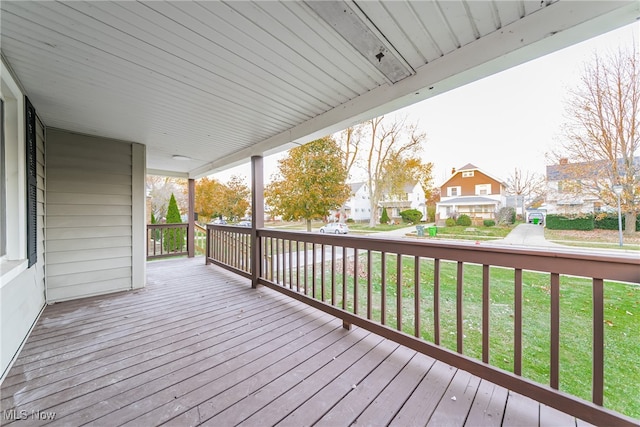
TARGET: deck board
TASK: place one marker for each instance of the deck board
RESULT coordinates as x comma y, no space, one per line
198,346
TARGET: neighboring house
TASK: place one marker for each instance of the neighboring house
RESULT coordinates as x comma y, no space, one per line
412,197
472,192
564,181
358,207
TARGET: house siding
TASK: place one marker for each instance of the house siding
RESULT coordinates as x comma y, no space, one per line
23,297
468,185
90,221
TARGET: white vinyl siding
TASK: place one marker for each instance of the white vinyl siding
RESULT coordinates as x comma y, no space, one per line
89,216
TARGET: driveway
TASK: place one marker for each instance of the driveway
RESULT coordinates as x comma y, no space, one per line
526,235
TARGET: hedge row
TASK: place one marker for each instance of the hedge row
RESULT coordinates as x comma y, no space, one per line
589,222
559,222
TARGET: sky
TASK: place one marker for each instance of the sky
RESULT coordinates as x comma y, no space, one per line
505,121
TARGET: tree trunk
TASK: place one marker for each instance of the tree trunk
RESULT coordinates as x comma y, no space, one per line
309,225
629,223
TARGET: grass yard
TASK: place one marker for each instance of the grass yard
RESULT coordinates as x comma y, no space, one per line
622,321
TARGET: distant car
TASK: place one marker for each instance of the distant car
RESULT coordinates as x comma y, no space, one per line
533,216
335,227
219,221
244,224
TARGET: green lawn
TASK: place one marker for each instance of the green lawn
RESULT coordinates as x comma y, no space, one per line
622,325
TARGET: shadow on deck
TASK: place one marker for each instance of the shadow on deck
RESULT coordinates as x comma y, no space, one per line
198,346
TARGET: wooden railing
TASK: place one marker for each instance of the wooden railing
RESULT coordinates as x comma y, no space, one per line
167,240
405,290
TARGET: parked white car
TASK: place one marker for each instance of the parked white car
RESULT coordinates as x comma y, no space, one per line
335,227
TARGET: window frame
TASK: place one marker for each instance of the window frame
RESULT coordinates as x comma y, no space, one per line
14,261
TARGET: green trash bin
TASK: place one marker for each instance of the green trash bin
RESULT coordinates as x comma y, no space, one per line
536,220
433,231
420,230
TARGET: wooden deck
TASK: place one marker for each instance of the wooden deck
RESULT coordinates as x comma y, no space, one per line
198,346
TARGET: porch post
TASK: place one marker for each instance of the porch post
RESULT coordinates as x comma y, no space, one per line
191,235
257,215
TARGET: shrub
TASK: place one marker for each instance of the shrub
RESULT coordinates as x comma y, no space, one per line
489,223
610,222
506,215
385,217
173,237
464,220
411,215
559,222
450,222
350,220
431,213
156,233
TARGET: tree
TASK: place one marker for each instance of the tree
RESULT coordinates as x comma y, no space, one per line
235,198
384,219
160,189
310,182
173,237
209,196
392,144
603,131
349,140
526,186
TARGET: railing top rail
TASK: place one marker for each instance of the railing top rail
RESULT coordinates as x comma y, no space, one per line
174,225
615,266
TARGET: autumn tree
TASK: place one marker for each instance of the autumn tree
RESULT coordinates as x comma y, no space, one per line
602,132
394,145
209,196
309,182
235,198
526,186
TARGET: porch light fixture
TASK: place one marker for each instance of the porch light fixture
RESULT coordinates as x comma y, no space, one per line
618,190
180,157
348,20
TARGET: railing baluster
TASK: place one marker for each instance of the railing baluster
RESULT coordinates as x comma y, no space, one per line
416,296
313,270
399,292
298,265
333,275
485,313
517,323
355,281
369,287
598,342
436,301
290,264
555,330
322,273
383,288
459,308
344,277
306,271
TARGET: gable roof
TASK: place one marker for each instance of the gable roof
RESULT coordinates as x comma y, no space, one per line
469,167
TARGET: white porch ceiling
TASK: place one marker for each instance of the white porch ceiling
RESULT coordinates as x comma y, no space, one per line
219,82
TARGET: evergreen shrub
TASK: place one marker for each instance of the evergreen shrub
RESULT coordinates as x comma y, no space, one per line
173,237
489,223
411,215
464,220
450,222
560,222
385,217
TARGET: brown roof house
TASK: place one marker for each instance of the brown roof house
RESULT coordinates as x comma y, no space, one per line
472,192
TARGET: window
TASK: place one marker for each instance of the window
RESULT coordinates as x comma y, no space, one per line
483,189
467,174
3,197
453,191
